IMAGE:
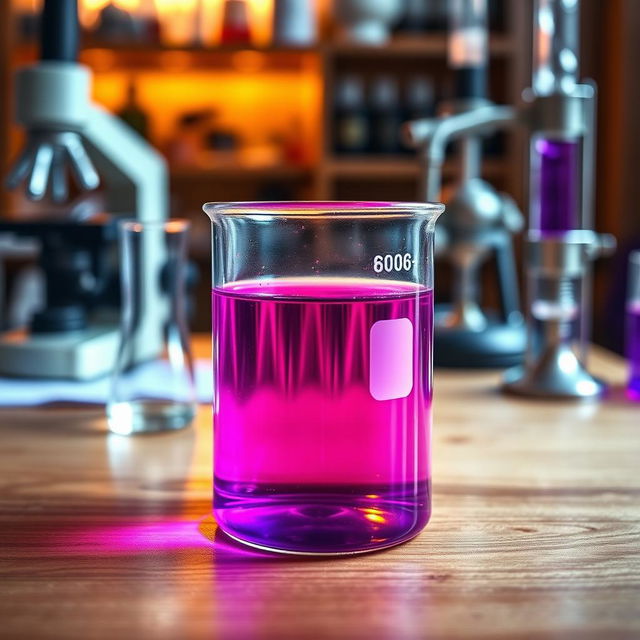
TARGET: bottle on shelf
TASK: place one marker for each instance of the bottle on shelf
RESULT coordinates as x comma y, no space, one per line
294,23
235,23
386,116
420,98
419,102
27,20
185,147
133,114
148,22
367,22
416,16
438,15
295,151
116,25
351,117
497,15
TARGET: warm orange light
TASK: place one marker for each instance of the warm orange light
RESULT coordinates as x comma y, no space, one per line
255,105
175,226
178,20
261,12
374,515
248,61
210,22
166,6
99,59
176,60
26,6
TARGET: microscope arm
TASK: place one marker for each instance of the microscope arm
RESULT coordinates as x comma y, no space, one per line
135,174
434,135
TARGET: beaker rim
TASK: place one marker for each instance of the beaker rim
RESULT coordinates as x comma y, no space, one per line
324,209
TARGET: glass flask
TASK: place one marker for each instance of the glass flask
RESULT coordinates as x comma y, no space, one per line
152,386
322,332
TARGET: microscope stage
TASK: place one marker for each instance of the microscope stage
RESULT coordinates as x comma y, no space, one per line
76,355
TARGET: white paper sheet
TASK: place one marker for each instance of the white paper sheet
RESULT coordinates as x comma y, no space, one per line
146,379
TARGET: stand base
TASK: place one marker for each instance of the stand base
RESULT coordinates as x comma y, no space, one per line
498,346
76,355
557,374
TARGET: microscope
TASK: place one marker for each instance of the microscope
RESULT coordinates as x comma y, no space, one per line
76,334
480,222
560,114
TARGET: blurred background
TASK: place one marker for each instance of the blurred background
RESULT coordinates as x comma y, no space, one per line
245,106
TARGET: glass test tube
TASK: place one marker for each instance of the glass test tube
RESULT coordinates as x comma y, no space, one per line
557,167
556,157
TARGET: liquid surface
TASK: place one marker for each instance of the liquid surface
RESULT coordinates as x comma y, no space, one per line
306,459
633,350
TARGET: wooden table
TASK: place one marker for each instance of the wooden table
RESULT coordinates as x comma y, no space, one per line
535,533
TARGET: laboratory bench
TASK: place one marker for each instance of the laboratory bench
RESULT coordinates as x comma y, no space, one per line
535,532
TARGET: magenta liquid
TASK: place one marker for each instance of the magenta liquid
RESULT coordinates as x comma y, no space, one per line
633,350
559,185
306,458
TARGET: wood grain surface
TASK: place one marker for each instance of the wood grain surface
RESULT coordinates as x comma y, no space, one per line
535,533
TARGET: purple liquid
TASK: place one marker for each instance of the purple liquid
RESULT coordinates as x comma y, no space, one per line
633,350
306,459
559,185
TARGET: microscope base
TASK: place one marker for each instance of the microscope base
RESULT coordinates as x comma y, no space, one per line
77,355
557,374
499,346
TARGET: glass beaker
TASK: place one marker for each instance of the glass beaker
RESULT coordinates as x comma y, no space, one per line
322,330
633,326
152,385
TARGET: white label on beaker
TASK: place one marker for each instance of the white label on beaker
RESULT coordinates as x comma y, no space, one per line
391,359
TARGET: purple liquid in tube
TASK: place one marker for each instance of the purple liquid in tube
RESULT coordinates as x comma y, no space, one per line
633,350
559,185
306,458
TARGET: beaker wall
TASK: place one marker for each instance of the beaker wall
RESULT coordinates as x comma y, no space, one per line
323,351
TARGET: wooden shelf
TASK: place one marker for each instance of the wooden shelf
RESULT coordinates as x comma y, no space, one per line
373,167
240,172
429,46
105,56
88,43
398,167
360,168
182,59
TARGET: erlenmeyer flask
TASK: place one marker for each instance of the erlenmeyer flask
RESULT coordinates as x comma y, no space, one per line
152,387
